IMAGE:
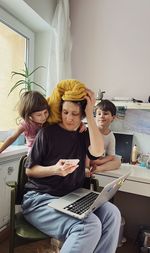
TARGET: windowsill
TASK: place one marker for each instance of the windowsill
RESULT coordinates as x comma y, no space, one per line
13,151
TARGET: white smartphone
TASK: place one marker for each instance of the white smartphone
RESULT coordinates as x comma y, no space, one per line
72,161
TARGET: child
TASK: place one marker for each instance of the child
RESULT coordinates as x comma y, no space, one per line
105,113
34,111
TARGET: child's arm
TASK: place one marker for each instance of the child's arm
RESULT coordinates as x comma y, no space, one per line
103,160
11,138
111,163
87,167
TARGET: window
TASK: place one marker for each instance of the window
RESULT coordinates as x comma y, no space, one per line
16,48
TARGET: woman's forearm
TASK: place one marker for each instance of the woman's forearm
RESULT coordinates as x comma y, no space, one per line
61,168
40,171
96,138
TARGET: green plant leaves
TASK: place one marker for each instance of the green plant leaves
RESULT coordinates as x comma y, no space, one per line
26,84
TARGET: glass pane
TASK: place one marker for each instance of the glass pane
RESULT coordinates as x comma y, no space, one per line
12,58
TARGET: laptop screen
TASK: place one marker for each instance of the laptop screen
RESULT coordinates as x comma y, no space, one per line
124,146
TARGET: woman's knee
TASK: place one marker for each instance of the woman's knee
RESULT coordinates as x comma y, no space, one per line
109,211
114,212
94,224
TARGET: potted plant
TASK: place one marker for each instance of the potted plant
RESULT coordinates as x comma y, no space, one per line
25,82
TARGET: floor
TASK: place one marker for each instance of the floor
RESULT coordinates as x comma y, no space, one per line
44,247
128,247
38,247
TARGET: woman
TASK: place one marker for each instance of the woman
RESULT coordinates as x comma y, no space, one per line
50,177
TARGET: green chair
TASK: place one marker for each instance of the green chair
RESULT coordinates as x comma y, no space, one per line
21,232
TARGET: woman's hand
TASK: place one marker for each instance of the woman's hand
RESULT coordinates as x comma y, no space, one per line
90,98
63,168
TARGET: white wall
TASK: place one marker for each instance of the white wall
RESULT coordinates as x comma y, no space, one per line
111,46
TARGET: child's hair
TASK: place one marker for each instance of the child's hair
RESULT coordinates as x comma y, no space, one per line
106,105
31,101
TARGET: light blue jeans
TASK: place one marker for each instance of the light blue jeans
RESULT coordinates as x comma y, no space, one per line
97,233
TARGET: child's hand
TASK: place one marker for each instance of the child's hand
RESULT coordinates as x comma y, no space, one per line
87,172
82,127
93,166
1,144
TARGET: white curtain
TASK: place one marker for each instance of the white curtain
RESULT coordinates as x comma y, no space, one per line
59,66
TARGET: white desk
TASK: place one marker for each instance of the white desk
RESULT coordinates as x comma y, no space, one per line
137,183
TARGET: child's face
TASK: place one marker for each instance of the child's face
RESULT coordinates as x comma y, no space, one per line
40,117
103,118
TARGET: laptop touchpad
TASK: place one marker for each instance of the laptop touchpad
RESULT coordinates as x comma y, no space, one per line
71,197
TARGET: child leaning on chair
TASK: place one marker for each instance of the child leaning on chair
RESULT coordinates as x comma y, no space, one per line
34,110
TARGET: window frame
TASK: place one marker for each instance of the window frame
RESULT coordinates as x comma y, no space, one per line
17,26
20,28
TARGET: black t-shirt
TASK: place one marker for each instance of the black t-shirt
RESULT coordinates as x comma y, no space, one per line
52,144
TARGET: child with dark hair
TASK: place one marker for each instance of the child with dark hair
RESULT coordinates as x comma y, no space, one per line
34,110
105,113
106,106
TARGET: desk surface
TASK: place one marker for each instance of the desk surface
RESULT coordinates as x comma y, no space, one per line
138,181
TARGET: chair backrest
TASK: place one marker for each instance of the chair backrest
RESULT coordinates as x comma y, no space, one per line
22,179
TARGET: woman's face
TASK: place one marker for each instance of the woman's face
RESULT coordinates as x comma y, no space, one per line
71,116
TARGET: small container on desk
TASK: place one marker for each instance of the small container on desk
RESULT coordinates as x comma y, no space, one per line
134,154
148,163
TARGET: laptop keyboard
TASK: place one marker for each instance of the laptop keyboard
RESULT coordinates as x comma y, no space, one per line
81,205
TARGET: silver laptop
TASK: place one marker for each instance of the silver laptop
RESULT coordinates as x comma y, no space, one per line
81,202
